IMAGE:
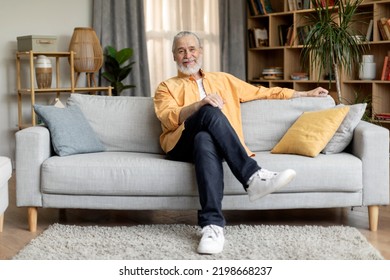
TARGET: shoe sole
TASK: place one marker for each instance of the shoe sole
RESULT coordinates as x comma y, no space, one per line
289,176
204,251
209,252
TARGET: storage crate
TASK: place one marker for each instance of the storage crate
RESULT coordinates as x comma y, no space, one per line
37,43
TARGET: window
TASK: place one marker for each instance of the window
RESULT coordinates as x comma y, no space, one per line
164,19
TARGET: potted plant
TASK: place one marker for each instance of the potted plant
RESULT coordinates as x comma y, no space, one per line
115,68
331,42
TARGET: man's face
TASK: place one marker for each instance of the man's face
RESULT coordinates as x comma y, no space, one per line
188,55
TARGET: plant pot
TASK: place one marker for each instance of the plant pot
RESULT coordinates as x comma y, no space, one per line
367,68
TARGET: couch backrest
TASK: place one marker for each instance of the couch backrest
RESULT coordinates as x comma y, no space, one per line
127,123
122,123
266,121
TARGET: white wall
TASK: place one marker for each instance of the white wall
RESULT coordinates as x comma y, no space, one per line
26,17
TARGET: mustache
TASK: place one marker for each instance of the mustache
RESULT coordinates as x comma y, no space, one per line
188,60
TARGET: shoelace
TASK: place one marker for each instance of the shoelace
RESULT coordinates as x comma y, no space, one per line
265,174
211,231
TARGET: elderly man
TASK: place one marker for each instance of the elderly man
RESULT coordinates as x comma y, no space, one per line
201,122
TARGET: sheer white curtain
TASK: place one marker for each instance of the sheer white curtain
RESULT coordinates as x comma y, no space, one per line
164,19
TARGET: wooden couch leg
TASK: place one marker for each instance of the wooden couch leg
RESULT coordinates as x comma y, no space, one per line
32,213
1,222
373,216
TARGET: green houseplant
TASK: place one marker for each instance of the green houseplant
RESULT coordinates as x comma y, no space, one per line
116,69
331,42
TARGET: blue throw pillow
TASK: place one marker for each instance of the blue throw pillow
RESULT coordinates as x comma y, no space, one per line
69,129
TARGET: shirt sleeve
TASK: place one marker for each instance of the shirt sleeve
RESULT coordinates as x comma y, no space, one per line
166,108
249,92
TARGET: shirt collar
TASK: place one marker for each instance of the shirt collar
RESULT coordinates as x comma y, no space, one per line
182,75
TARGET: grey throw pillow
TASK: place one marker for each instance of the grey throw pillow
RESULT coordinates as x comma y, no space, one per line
344,133
70,131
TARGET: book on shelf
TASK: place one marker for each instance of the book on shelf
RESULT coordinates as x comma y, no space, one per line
267,7
299,4
258,37
325,3
259,7
384,28
385,25
385,76
283,31
369,30
290,36
383,116
306,4
302,32
294,5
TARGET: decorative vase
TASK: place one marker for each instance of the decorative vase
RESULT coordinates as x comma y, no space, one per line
367,68
88,54
43,71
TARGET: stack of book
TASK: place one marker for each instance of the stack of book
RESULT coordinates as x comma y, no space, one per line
383,116
300,76
273,73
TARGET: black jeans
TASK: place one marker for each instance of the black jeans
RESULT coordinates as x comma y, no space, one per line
207,140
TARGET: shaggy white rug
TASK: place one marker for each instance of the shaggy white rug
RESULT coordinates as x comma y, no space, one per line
176,242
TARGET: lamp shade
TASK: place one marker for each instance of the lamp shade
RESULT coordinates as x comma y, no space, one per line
88,54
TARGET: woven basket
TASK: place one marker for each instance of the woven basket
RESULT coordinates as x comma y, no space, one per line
88,55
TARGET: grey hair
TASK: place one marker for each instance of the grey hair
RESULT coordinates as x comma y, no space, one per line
182,34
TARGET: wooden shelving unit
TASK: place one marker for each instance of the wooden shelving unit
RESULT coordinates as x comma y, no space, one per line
288,57
31,91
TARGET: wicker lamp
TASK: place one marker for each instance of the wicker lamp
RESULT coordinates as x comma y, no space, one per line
88,54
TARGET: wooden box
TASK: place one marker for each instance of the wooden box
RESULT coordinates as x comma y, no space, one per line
37,43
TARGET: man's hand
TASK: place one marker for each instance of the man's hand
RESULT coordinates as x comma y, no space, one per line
214,100
317,92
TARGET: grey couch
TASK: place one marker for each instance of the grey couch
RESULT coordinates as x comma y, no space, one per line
133,173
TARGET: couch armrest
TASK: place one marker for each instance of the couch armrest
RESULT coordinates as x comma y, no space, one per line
371,144
33,147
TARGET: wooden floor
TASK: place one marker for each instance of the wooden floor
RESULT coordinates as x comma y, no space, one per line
16,235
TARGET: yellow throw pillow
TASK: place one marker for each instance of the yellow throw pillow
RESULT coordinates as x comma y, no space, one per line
309,135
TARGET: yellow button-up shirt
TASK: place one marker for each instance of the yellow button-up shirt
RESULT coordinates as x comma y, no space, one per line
180,91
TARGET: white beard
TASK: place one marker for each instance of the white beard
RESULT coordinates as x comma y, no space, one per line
190,70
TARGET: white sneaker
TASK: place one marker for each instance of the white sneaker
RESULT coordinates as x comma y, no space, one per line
264,182
212,240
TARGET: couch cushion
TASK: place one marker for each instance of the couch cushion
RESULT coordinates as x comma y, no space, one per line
266,121
340,172
117,173
122,173
122,123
